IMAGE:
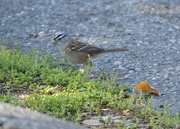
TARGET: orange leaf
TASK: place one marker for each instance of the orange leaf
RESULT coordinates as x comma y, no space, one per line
145,86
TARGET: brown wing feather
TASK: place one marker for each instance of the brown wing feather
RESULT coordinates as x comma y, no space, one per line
82,47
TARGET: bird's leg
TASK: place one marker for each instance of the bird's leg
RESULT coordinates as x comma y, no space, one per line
88,65
82,66
81,69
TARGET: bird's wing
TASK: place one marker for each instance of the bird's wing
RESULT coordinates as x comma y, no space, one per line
82,47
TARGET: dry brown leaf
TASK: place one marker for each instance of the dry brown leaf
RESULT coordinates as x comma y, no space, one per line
145,86
81,70
106,109
55,90
126,112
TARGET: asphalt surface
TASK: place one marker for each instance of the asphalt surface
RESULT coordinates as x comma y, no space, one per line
150,29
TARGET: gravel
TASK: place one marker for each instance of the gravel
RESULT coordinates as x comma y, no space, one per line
150,29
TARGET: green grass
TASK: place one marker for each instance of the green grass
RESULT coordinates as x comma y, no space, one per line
29,77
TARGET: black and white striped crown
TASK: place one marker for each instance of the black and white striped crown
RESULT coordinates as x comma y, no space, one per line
59,37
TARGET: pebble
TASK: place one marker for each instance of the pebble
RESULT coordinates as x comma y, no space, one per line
41,34
6,87
92,122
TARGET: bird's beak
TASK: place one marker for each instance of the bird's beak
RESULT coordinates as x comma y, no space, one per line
54,42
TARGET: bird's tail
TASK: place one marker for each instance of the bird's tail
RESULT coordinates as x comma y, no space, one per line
115,50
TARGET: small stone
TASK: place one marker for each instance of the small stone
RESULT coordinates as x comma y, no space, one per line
41,34
131,71
21,13
91,122
6,87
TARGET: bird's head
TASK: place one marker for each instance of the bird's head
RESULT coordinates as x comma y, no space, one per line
60,37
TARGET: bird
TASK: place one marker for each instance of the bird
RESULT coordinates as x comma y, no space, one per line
79,52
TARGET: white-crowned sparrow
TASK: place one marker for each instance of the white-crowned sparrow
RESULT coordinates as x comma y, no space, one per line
79,52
